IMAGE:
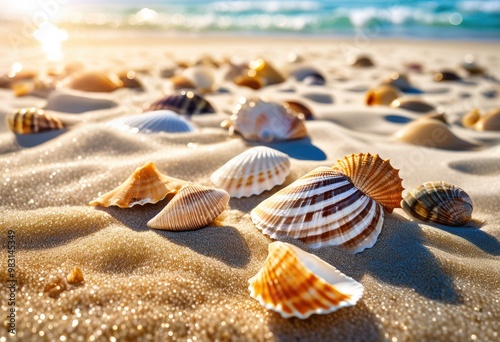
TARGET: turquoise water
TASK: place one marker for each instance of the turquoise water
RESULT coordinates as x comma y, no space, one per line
436,19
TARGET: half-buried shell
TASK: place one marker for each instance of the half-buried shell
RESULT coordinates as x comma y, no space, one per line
32,120
252,172
145,185
193,207
439,202
184,102
153,122
295,283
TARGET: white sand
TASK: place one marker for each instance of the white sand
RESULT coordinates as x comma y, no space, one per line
422,281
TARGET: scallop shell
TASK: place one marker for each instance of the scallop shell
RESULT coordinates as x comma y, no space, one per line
266,71
362,61
375,177
252,172
94,81
153,122
257,120
382,95
446,75
322,208
192,208
490,121
432,133
439,202
399,81
295,283
413,105
145,185
32,120
183,102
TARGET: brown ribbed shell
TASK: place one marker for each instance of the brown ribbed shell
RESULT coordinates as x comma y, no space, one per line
439,202
375,177
32,120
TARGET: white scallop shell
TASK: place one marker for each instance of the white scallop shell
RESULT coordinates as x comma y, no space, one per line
153,122
252,172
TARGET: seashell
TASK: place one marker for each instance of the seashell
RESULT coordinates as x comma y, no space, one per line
472,68
184,102
490,121
470,119
266,71
32,120
432,133
180,82
308,75
130,80
208,61
257,120
413,105
295,283
382,95
375,177
253,82
439,202
446,75
153,122
68,103
399,81
94,81
75,277
201,76
8,80
362,61
193,207
300,109
167,69
322,208
145,185
252,172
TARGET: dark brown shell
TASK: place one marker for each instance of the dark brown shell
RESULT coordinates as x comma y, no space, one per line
32,120
183,102
439,202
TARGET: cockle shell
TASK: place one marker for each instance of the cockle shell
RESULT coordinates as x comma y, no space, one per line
432,133
322,208
413,105
153,122
193,207
252,172
382,95
266,71
295,283
183,102
145,185
439,202
375,177
32,120
257,120
94,81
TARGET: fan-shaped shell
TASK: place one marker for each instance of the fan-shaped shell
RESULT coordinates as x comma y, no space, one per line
322,208
94,81
382,95
32,120
413,104
153,122
295,283
439,202
432,133
252,172
193,207
375,177
183,102
145,185
257,120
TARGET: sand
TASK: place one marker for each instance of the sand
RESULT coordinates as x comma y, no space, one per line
422,281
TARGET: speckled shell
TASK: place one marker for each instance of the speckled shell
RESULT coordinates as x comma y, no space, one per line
382,95
252,172
322,208
94,81
145,185
257,120
32,120
153,122
413,105
183,102
193,207
439,202
295,283
375,177
266,71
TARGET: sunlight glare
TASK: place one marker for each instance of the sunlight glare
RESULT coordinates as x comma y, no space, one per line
51,37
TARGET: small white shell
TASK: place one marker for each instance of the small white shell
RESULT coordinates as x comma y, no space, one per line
153,122
252,172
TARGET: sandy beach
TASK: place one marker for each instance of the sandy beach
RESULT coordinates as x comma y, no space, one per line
423,281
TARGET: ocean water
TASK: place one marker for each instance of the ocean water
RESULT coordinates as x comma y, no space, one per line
434,19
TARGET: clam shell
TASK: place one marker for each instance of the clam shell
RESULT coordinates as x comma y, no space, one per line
375,177
490,121
322,208
252,172
413,105
432,133
32,120
439,202
266,71
382,95
295,283
145,185
153,122
193,207
257,120
183,102
94,81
